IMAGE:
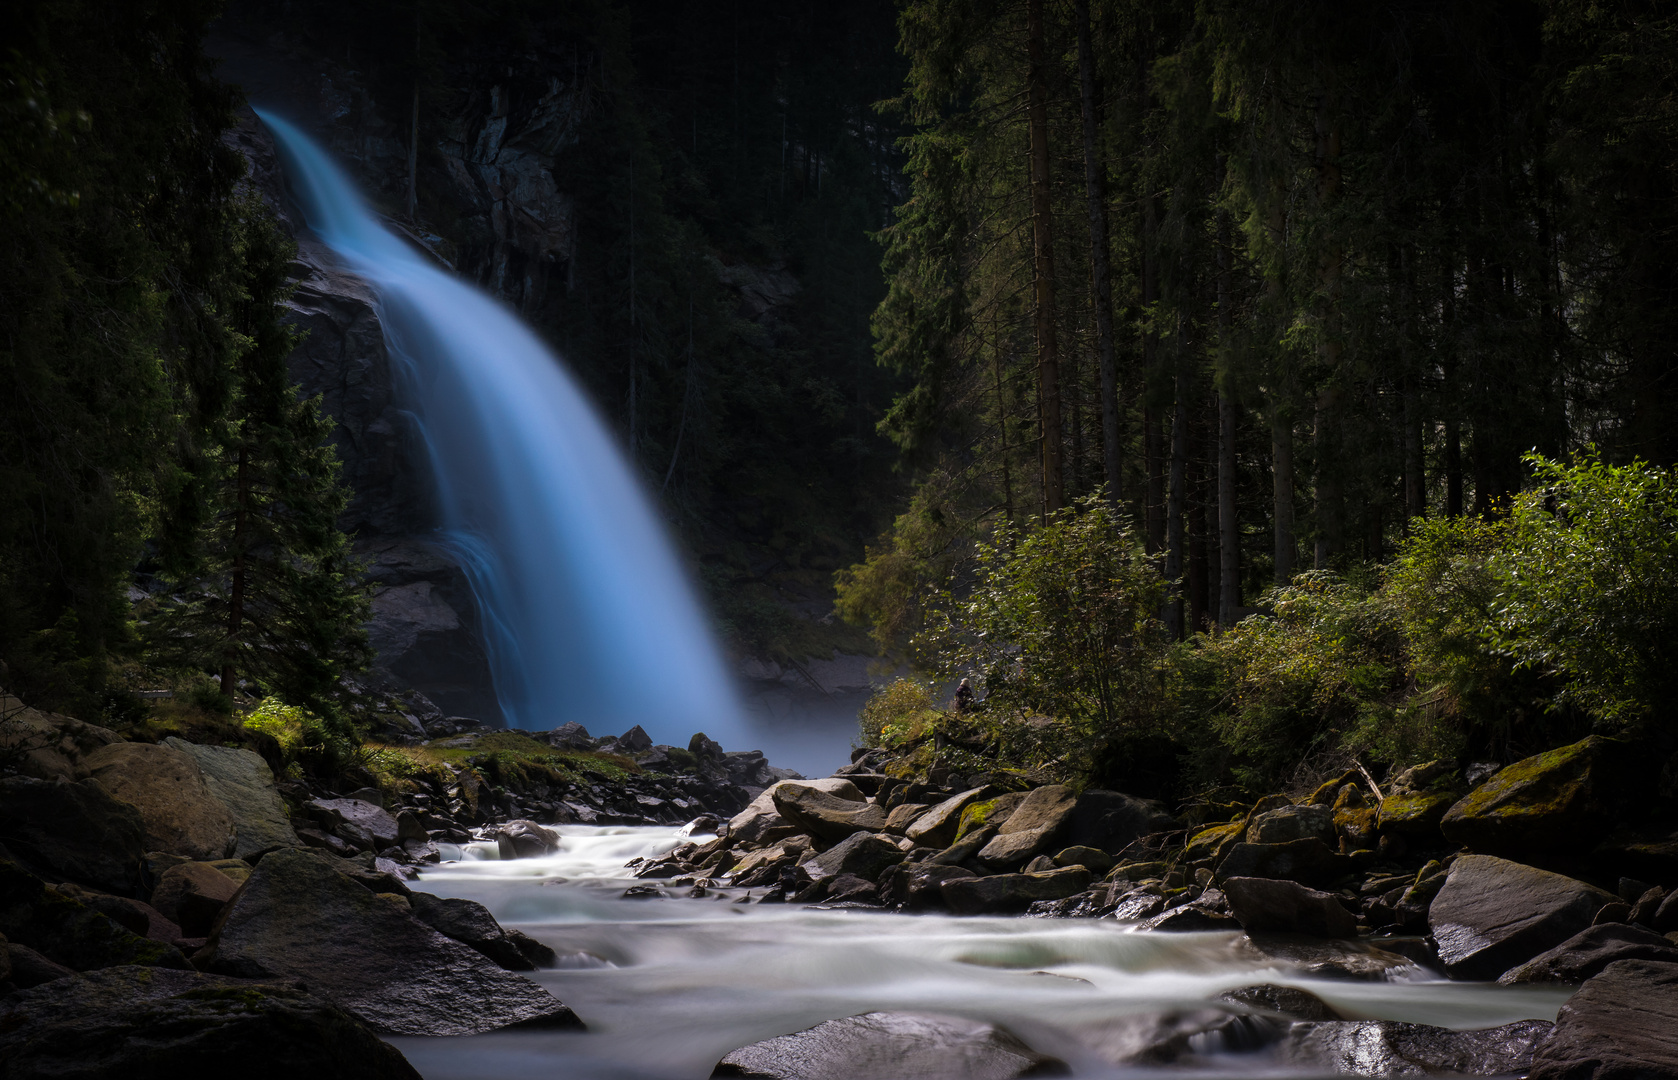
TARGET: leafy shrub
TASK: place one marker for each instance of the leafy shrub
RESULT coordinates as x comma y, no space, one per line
309,742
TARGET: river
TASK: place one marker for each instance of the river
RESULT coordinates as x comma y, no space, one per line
667,987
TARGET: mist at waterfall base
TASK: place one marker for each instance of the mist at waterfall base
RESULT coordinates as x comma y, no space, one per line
667,987
587,613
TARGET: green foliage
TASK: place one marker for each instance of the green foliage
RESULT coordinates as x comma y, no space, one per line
1588,586
1063,620
899,714
310,743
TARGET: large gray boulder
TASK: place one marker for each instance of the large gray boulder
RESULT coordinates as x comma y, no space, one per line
245,785
1288,823
889,1044
299,918
862,854
48,746
1388,1048
524,839
937,826
761,823
358,819
1003,893
1308,861
1493,914
78,831
825,815
1266,904
142,1023
1037,826
1621,1025
180,813
471,924
1589,952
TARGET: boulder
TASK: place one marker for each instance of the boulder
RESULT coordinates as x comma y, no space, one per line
992,813
1001,893
245,785
1621,1025
761,823
965,848
635,741
299,918
130,914
75,830
1286,824
366,819
1037,825
1263,904
144,1024
862,854
1388,1048
924,886
883,1044
1327,958
1648,852
1111,821
26,967
70,932
1308,861
193,894
1588,952
937,827
1417,799
1095,859
1190,918
524,839
471,924
48,746
1552,808
1212,843
903,815
1493,914
180,813
825,815
1282,1002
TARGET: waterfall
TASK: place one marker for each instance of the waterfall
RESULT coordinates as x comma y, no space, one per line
587,613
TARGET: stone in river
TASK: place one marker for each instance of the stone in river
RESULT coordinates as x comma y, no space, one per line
1493,914
368,817
862,854
1308,861
193,894
1037,826
937,826
761,823
522,839
1268,904
1621,1025
825,815
1389,1048
179,812
1588,952
1001,893
141,1023
470,923
299,918
891,1045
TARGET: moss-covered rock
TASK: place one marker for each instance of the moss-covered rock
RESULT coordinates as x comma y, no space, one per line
1212,843
1553,808
994,812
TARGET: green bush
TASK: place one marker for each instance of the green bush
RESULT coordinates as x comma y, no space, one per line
309,742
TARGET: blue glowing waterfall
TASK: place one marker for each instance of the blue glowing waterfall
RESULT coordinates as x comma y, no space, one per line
587,613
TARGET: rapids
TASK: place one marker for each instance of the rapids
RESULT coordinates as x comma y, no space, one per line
669,986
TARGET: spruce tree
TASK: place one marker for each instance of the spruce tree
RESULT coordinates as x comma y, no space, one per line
273,596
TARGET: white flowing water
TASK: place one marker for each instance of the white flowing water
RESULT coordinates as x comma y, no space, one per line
587,614
667,987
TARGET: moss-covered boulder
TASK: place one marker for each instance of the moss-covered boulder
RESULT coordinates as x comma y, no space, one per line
992,812
1416,802
1213,842
1553,808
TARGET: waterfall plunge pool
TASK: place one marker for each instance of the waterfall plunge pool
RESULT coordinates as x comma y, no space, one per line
668,987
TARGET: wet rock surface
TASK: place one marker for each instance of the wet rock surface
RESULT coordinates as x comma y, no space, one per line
1589,952
244,784
1386,1048
891,1044
299,918
1493,914
1621,1025
150,1024
1262,904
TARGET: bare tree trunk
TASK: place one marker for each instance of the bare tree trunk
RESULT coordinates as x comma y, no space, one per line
1174,509
239,577
1042,230
1229,529
1281,466
1101,270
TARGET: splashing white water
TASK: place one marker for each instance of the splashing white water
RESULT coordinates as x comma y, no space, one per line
587,614
668,987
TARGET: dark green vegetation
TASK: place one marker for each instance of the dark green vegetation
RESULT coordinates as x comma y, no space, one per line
147,418
1290,287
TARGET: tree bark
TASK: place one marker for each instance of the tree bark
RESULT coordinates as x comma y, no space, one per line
1330,497
1101,271
238,578
1229,529
1281,467
1174,509
1042,230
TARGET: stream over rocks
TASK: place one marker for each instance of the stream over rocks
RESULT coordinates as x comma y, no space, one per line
670,986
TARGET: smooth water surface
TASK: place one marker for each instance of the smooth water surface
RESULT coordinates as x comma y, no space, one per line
669,986
588,615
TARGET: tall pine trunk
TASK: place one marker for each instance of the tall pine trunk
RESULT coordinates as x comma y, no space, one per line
1174,504
1043,263
1229,529
239,576
1281,467
1330,495
1101,271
